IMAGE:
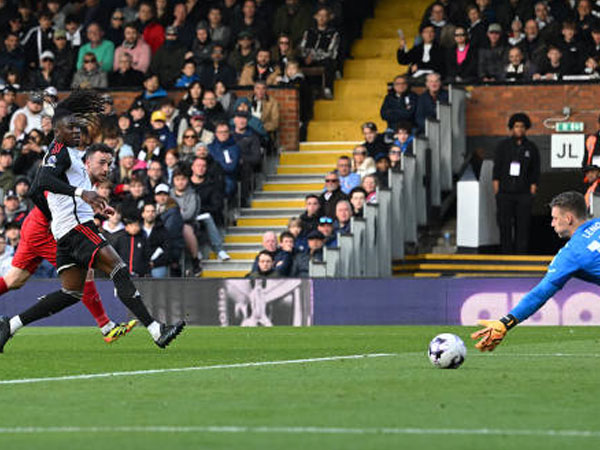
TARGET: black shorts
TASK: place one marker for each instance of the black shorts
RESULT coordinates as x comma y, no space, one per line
79,246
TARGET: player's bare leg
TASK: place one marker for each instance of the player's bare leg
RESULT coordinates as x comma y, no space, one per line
108,260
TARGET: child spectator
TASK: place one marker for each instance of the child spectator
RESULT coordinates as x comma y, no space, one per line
132,246
265,269
284,257
357,199
188,74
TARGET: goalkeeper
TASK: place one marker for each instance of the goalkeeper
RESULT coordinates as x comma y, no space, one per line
580,258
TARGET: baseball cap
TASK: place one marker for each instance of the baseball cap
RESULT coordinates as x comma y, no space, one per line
171,30
36,97
158,116
47,55
9,134
197,114
11,194
162,188
495,28
241,114
202,25
125,151
23,179
60,33
51,91
136,105
315,234
245,35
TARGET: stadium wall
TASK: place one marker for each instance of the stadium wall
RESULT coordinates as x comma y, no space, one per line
443,301
287,98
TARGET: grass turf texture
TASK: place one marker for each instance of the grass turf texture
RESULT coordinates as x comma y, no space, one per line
508,390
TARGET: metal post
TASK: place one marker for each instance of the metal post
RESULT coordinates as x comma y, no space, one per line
420,148
432,131
445,118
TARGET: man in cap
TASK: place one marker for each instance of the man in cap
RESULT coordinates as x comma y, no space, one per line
64,56
14,211
45,75
301,264
33,112
169,58
243,53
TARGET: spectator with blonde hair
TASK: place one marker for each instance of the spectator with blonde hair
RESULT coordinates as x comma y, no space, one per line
361,163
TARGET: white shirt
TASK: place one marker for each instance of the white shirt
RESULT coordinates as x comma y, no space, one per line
68,212
33,120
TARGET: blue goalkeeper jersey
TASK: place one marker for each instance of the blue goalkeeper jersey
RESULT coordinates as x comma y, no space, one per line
579,258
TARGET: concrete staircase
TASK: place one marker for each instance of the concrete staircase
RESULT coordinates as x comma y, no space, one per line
358,96
333,133
282,197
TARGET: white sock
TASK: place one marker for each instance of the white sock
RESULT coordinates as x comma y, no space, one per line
199,256
15,324
154,330
106,328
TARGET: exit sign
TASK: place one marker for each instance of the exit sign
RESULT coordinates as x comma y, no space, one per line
569,126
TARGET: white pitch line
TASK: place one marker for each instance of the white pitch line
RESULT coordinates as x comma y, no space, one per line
194,368
308,430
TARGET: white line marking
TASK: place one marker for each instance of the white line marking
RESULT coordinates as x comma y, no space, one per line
190,369
307,430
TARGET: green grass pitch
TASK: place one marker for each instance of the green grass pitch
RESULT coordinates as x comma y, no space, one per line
539,390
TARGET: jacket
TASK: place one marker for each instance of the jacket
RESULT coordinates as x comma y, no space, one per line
269,115
467,71
301,263
427,107
141,55
250,74
134,251
415,56
158,238
328,201
227,154
171,218
527,155
211,199
491,62
321,44
167,62
397,108
249,144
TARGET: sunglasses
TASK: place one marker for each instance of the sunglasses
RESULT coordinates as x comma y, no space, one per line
359,153
395,152
60,38
459,34
284,42
325,220
89,60
118,18
190,136
331,180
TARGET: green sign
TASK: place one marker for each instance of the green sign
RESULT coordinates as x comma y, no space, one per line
569,126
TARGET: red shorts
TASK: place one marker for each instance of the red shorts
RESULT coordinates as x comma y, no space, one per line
36,243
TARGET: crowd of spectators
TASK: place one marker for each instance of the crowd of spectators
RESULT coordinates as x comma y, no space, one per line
506,41
176,163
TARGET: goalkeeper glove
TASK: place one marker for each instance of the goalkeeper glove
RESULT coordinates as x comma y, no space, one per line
493,333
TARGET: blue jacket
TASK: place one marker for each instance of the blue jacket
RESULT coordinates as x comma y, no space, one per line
229,164
579,258
167,138
184,81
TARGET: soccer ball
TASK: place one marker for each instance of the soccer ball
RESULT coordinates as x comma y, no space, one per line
447,351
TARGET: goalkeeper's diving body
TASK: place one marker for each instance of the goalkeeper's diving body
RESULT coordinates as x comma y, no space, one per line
579,258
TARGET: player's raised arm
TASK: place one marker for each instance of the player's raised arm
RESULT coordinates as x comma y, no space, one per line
569,214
